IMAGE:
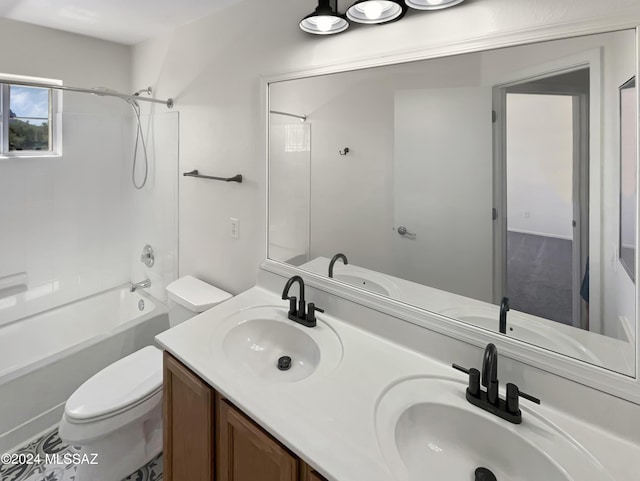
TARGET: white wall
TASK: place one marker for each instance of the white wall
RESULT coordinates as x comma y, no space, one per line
213,68
540,165
62,219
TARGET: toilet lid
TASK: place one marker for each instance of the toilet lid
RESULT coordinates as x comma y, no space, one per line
195,295
124,383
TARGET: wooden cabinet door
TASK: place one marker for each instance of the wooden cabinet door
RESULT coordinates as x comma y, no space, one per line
188,424
246,453
308,474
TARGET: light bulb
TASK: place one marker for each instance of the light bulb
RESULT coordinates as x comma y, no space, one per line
372,10
324,23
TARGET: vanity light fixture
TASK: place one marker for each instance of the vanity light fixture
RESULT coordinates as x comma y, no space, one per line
432,4
327,20
376,11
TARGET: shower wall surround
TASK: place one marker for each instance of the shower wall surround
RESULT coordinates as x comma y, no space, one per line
63,218
74,223
154,209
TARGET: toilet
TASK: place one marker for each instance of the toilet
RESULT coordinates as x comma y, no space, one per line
117,413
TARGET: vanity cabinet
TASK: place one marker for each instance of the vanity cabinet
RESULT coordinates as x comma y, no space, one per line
246,453
309,474
207,438
188,404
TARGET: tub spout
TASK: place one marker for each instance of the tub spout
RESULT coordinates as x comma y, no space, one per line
139,285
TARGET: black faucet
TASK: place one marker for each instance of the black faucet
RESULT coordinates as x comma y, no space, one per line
302,314
490,373
504,308
333,261
489,400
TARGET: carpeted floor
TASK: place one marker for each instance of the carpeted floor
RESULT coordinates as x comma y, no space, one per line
539,276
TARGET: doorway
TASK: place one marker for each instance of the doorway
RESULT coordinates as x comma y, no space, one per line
544,187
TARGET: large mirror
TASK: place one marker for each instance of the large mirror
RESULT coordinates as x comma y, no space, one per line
484,187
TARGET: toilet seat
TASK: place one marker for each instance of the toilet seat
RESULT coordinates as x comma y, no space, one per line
120,387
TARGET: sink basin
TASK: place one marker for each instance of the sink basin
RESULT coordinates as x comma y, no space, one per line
252,342
427,430
362,282
526,329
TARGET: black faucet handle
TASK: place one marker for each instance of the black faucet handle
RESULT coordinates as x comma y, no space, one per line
513,398
474,382
292,305
460,368
311,312
529,397
474,379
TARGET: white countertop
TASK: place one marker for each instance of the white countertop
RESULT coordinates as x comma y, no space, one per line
327,419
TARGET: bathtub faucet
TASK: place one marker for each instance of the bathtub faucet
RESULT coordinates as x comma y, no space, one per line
139,285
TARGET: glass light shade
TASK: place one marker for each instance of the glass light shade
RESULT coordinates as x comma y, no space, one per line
432,4
374,11
324,21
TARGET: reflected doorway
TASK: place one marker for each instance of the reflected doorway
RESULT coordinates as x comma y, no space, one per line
545,179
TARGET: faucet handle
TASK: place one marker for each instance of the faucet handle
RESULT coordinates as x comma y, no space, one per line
529,397
474,379
311,313
292,305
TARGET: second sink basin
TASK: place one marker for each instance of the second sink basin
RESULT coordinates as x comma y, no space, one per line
362,282
427,430
524,328
253,341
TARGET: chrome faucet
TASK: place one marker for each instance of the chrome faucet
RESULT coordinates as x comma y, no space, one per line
333,261
139,285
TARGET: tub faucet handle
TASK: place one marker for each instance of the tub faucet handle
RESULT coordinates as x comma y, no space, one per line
147,257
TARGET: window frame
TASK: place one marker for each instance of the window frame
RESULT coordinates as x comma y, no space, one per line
55,116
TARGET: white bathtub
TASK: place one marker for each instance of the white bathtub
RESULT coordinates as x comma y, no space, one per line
45,357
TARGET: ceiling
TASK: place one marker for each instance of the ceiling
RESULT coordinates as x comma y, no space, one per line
122,21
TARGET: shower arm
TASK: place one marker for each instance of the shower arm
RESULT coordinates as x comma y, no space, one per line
94,91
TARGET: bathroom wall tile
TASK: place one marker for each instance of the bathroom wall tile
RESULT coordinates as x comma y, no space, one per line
75,223
39,298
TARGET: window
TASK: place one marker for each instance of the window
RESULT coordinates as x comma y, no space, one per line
29,124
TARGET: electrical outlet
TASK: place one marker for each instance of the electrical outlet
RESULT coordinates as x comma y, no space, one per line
235,228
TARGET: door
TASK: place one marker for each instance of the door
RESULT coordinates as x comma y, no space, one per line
246,453
442,192
188,424
542,179
309,474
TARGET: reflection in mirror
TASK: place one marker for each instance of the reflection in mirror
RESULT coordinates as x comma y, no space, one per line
628,176
471,182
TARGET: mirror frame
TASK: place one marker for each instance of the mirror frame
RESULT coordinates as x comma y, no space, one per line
597,377
631,83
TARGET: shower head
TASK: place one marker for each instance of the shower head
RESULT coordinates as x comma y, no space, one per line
147,91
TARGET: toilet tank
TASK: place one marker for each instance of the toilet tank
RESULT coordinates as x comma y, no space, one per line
189,297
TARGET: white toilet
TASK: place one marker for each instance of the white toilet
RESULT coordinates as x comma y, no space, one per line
117,413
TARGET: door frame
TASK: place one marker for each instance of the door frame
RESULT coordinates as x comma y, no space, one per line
588,144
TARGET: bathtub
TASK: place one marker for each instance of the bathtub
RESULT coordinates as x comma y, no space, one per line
45,357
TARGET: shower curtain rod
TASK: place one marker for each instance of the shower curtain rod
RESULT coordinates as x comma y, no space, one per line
94,91
301,117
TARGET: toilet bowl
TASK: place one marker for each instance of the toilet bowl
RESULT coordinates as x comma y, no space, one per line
115,417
